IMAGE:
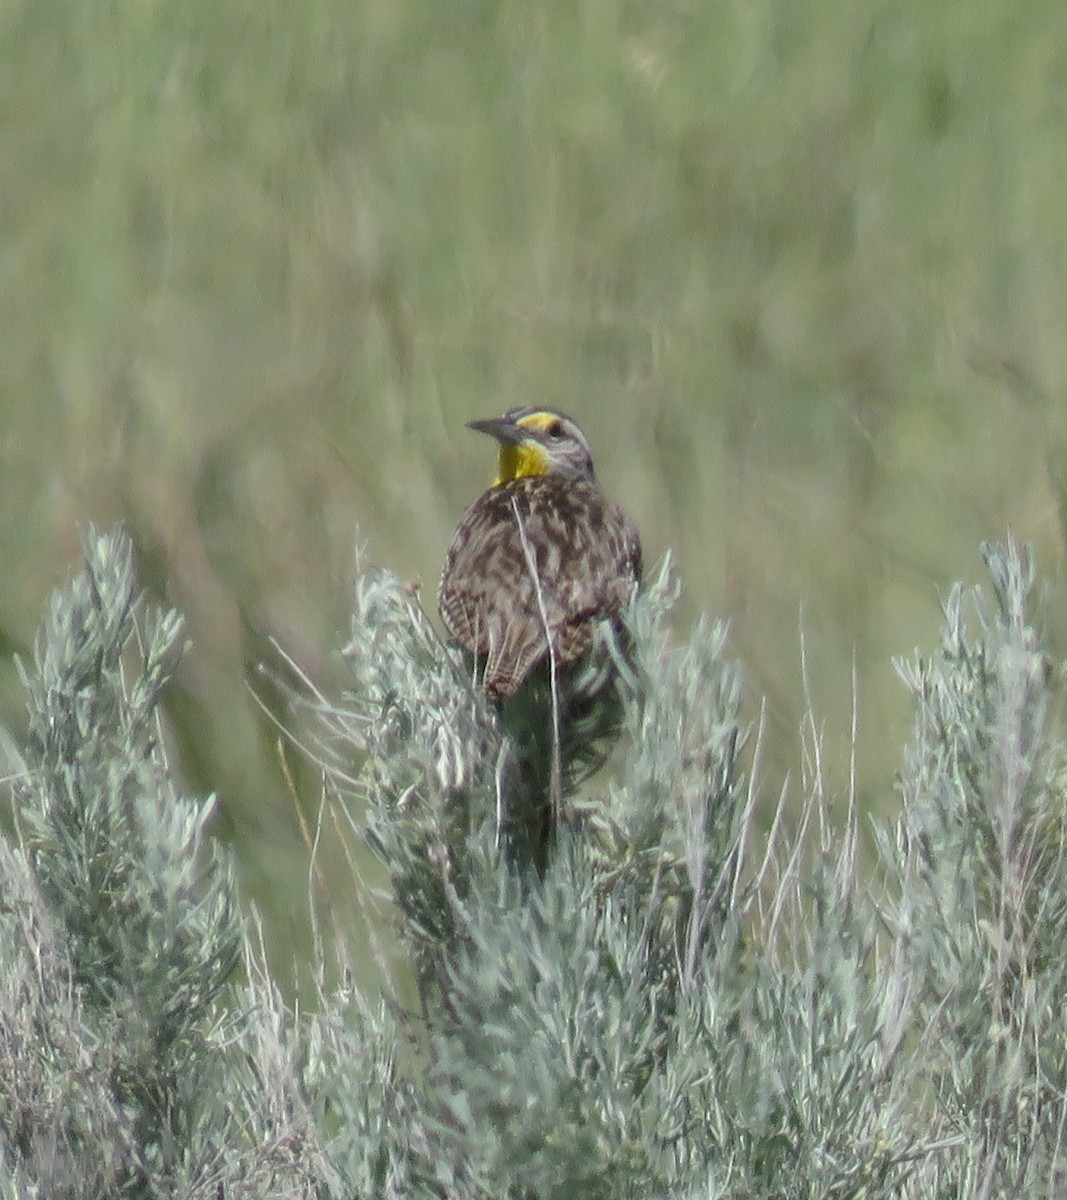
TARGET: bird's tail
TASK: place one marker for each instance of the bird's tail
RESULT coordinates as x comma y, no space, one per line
560,727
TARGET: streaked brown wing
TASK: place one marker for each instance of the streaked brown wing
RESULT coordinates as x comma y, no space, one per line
586,558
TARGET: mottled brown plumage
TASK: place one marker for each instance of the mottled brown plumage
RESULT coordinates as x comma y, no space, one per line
543,553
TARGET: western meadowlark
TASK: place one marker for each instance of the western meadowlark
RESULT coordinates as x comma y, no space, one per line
540,558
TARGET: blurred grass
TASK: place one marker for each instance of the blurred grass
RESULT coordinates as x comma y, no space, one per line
799,271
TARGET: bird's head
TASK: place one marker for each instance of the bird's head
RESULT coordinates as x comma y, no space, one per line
537,441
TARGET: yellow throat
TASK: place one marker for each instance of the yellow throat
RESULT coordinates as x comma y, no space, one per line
516,462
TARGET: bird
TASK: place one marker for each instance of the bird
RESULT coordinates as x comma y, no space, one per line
540,563
540,557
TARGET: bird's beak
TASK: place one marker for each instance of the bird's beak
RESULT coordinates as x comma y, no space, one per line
504,430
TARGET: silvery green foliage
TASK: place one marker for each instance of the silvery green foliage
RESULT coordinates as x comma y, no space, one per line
413,715
426,750
359,1097
675,812
124,1066
555,1061
630,1021
980,859
679,1005
101,821
55,1099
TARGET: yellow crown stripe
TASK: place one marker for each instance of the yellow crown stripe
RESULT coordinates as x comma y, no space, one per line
537,422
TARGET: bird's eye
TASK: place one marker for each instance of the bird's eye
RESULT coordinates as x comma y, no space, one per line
555,430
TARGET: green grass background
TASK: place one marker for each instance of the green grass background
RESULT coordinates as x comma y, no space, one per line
800,270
